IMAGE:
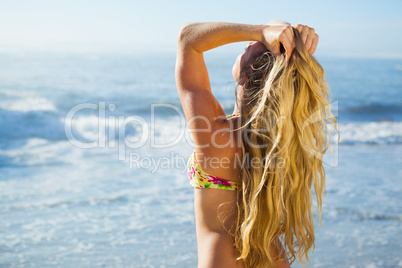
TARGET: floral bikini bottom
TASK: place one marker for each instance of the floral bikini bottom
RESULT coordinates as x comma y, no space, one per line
201,179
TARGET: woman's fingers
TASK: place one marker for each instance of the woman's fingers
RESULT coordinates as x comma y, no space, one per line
286,38
314,45
274,35
304,34
309,37
288,47
302,31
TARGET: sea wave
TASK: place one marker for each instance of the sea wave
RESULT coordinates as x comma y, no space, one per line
29,104
365,214
21,125
371,133
374,108
349,133
24,101
163,128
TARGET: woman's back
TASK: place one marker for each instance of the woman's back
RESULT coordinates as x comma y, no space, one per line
216,209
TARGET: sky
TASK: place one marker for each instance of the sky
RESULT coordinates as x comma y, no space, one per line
346,28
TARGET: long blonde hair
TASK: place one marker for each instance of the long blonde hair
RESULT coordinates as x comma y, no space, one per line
284,114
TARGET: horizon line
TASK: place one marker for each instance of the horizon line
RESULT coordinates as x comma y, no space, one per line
135,49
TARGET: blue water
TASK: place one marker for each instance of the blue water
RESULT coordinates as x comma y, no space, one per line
112,205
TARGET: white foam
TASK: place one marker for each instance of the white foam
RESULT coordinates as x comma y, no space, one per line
371,132
28,104
15,93
24,101
86,126
39,151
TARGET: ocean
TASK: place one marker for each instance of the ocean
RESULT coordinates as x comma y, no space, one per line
93,151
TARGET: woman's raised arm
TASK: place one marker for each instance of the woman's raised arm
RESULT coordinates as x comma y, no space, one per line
203,36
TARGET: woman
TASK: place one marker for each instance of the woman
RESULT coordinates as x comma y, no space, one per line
252,171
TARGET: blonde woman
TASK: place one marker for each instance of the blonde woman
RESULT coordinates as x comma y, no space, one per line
252,171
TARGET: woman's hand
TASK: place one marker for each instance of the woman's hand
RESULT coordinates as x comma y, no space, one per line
275,35
310,38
